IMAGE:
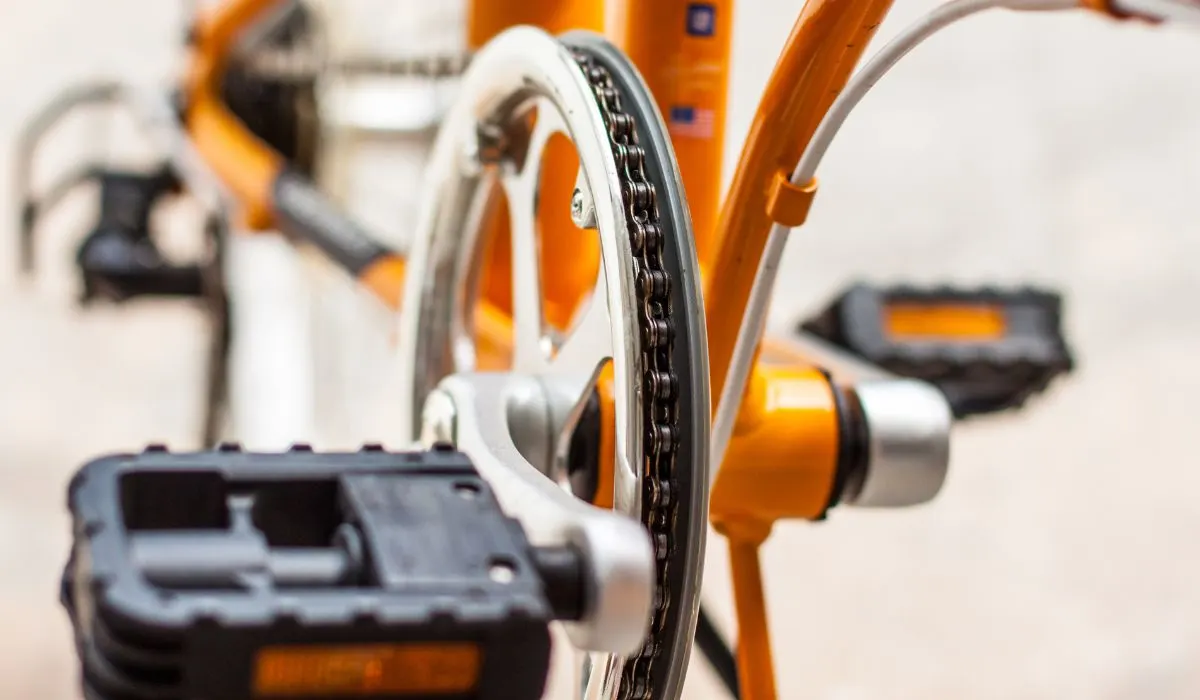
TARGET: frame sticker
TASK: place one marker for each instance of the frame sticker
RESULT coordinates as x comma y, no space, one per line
701,19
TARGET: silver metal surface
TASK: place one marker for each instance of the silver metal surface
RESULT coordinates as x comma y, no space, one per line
564,408
530,424
617,554
908,435
439,420
513,73
583,207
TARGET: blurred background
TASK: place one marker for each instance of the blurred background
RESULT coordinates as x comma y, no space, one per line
1060,561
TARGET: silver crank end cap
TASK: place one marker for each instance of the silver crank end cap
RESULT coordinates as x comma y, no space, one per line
908,425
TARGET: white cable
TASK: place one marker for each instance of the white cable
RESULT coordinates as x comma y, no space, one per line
754,322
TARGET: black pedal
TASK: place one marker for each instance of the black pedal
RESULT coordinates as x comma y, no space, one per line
119,261
988,350
226,576
117,265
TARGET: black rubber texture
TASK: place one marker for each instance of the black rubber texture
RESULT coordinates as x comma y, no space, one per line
217,303
977,378
564,579
583,457
281,113
306,213
428,575
853,446
690,353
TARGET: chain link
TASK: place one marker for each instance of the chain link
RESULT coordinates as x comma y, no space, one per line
660,384
293,64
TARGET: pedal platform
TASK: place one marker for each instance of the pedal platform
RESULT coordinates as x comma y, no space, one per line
227,575
119,260
988,350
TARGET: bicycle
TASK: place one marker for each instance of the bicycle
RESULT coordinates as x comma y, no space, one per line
617,399
300,82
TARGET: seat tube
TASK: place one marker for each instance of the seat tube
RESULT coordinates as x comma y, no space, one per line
682,49
487,18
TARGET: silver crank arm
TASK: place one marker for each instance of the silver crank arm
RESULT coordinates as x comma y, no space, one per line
479,413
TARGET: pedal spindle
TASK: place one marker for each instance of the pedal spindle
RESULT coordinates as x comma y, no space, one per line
988,350
226,575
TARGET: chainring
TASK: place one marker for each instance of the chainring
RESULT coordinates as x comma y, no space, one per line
644,148
654,282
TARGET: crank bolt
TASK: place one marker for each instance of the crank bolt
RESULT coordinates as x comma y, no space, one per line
583,207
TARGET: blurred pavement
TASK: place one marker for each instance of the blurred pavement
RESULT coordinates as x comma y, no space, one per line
1060,560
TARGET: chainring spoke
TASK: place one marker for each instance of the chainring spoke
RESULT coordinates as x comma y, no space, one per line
520,179
644,320
590,340
529,328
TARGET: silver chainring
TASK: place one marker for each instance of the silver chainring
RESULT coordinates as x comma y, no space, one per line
644,319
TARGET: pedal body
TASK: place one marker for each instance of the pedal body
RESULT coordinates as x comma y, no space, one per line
988,350
119,259
226,575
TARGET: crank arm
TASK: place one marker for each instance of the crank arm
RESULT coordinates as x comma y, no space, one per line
479,413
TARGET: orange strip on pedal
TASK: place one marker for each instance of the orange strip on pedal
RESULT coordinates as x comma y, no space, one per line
959,322
367,669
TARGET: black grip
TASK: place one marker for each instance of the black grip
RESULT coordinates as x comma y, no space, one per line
305,213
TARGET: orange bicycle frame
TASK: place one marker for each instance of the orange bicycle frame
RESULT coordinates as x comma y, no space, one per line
253,172
782,458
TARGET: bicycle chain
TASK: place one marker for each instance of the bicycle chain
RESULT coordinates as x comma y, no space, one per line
306,64
660,383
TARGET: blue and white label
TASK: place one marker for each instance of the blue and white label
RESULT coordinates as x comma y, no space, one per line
701,19
691,122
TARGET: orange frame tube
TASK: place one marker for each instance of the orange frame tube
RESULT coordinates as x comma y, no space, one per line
241,160
682,50
247,165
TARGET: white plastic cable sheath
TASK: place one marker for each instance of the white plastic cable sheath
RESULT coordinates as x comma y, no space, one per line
754,322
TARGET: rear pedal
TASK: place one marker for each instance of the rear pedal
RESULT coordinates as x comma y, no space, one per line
988,350
228,576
